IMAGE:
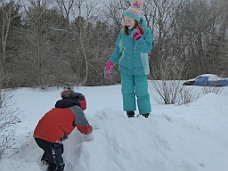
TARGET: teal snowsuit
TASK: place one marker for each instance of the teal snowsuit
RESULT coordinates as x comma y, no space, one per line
134,67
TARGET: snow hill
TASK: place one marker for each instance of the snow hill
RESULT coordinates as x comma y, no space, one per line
173,138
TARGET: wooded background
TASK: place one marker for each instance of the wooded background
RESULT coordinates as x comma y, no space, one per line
67,42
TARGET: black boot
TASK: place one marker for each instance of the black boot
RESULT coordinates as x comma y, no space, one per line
61,167
54,167
130,114
44,160
146,115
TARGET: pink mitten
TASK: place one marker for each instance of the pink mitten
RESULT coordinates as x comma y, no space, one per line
137,34
108,68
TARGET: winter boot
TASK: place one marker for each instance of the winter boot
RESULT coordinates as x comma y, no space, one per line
53,167
44,160
130,114
61,167
146,115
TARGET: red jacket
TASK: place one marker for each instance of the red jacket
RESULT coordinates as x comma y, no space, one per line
58,123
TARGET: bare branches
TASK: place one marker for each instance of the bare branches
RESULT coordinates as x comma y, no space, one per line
9,118
190,38
65,9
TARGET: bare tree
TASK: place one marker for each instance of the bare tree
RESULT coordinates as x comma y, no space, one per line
9,118
217,50
65,8
35,36
7,17
79,36
46,32
85,41
201,30
161,16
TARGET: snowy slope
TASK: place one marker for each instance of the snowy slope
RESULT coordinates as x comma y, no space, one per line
173,138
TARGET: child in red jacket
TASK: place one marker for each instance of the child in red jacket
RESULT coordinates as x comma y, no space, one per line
57,124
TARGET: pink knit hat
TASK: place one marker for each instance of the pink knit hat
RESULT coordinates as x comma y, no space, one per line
134,11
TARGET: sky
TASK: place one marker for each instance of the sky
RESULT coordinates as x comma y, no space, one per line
174,138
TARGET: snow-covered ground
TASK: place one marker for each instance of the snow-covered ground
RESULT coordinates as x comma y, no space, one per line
173,138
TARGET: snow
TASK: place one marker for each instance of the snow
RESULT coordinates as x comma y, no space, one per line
173,138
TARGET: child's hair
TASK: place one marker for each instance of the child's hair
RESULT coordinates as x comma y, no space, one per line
125,28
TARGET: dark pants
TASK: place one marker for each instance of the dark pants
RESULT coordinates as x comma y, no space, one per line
52,154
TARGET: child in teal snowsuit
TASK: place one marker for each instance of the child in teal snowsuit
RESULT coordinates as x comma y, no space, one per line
132,47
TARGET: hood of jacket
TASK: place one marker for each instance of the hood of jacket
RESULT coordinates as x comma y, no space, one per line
66,102
143,23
